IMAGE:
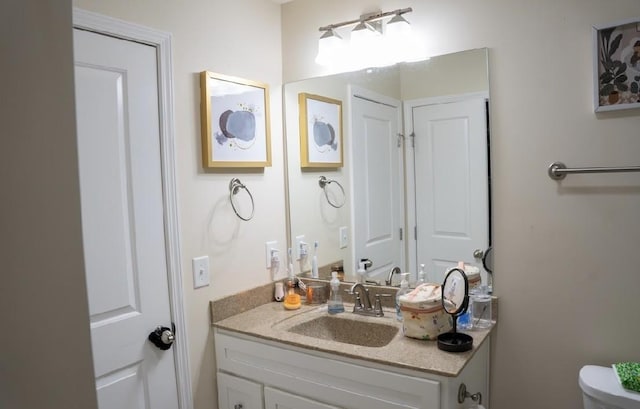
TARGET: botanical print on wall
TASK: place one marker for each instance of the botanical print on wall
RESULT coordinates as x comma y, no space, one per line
618,66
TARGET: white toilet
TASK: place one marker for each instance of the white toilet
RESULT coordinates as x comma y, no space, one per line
601,390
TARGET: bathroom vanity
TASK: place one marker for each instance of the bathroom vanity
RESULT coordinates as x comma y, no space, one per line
271,358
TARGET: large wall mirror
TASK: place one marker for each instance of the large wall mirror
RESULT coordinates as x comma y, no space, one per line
413,186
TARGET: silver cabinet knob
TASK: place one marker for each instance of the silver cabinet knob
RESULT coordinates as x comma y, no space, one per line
477,253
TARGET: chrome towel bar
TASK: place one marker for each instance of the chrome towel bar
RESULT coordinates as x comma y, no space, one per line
558,170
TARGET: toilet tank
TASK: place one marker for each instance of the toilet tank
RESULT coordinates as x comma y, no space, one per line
601,390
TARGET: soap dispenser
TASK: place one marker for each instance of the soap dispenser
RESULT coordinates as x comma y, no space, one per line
404,289
335,304
362,272
291,299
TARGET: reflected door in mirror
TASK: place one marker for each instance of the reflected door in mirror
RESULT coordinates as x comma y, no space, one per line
451,186
377,181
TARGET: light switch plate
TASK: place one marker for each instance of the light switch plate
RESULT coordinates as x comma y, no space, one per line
296,249
344,237
200,271
268,246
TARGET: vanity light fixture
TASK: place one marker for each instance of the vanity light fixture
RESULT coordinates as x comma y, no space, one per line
372,41
328,46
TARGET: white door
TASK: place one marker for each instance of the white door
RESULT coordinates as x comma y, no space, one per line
377,182
451,189
122,220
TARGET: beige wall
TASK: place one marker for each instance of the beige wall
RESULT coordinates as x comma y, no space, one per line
239,38
565,261
45,358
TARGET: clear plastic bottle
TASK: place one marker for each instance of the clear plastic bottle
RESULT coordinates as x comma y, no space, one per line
422,276
362,272
464,320
404,289
335,304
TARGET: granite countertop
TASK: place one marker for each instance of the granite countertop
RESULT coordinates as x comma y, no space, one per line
271,321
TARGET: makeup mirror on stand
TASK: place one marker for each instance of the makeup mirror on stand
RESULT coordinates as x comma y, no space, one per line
455,301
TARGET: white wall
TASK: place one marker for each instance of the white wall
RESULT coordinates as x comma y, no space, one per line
452,74
565,263
45,351
242,39
565,252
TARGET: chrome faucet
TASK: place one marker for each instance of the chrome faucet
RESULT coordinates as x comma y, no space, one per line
362,297
395,270
362,304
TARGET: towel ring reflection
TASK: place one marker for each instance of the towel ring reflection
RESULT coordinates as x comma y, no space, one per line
234,187
323,182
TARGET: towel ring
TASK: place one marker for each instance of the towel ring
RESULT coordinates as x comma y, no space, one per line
323,182
234,187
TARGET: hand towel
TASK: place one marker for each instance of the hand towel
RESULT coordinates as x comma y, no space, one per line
628,374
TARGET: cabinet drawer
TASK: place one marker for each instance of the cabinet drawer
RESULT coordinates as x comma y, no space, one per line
238,393
275,399
335,382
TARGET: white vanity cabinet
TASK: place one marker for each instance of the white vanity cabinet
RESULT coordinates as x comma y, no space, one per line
291,377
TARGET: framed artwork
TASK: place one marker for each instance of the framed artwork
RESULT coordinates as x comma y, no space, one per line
320,131
616,66
235,122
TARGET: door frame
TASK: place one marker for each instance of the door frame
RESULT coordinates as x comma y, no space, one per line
161,41
408,106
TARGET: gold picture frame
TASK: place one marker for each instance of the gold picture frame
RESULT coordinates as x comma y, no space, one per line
321,140
235,122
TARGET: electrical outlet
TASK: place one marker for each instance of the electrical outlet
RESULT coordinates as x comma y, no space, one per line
298,246
268,247
200,271
344,237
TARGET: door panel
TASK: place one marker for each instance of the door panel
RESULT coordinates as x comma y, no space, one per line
123,220
377,185
450,183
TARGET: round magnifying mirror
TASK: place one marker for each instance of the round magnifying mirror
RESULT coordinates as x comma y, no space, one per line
455,300
455,292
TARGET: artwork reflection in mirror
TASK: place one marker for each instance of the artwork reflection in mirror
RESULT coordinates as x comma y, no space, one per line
415,174
320,131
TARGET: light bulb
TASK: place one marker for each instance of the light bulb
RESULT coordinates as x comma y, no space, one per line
398,38
329,47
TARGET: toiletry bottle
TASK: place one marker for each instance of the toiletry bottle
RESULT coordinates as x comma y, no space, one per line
291,299
335,299
362,272
464,320
422,276
404,289
314,261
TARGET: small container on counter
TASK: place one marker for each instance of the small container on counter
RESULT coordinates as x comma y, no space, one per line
316,293
423,316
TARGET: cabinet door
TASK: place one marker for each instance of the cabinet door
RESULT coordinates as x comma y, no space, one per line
238,393
275,399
